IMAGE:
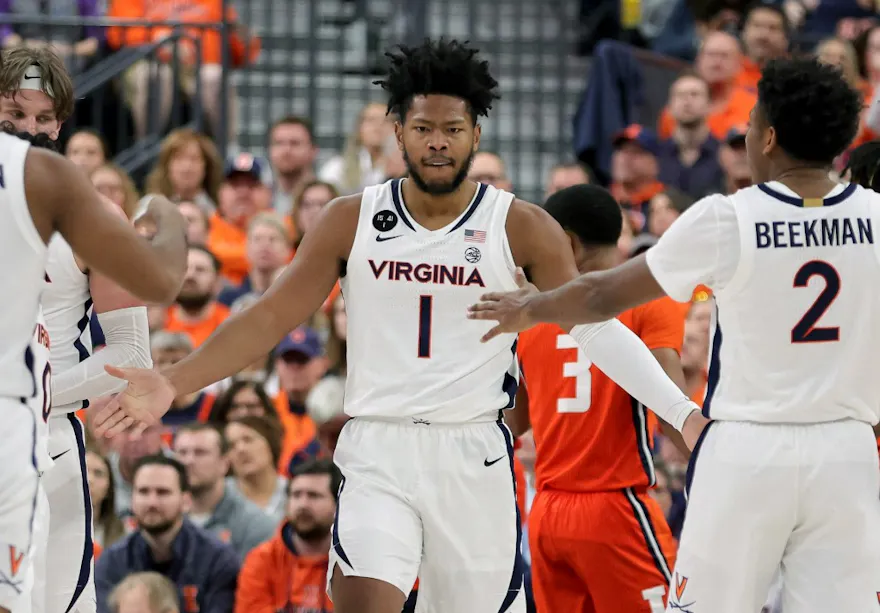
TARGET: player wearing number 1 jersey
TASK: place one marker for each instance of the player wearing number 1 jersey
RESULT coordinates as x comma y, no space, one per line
787,472
428,486
599,543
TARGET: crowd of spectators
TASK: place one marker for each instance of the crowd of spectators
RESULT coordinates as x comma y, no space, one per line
228,505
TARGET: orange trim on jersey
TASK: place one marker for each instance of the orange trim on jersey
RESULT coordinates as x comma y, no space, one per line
590,435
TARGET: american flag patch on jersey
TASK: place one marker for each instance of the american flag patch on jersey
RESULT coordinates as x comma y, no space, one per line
474,236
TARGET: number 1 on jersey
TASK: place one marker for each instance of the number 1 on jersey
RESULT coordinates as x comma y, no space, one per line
426,306
805,331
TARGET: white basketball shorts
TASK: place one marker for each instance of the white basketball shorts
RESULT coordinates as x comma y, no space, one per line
19,489
70,553
763,497
433,501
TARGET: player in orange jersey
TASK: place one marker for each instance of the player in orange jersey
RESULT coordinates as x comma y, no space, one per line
599,543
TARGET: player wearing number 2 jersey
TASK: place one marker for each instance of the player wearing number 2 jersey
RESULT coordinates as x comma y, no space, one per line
794,265
599,542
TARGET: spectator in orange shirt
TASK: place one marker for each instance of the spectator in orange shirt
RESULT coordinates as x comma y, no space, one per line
718,63
167,349
242,195
300,363
243,46
196,311
764,38
634,171
289,572
189,168
268,252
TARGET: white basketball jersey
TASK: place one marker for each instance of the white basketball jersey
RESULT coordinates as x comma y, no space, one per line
67,306
41,403
411,351
798,325
24,254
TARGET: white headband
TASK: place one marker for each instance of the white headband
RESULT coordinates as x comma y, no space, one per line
33,79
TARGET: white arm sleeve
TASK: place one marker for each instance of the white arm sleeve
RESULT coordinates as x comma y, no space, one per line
128,345
621,355
701,247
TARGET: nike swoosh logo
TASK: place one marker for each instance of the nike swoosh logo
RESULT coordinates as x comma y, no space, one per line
30,78
486,462
382,239
55,457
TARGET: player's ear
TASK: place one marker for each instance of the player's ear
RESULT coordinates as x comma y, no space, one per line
769,141
186,503
478,132
398,134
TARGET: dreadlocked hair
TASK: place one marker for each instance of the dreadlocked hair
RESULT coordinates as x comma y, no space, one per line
863,165
443,67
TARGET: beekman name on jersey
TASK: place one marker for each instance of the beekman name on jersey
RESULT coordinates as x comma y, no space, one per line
826,232
438,274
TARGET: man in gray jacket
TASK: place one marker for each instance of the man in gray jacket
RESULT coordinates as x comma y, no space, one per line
201,448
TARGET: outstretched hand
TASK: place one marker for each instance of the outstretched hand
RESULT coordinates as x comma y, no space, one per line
509,309
140,405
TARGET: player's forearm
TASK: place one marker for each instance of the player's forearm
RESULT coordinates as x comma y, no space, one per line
621,355
127,332
238,342
579,301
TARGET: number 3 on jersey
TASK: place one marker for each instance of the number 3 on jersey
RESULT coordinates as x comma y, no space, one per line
583,379
805,331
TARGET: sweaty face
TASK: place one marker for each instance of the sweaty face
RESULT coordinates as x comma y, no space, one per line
157,501
200,453
438,140
86,151
30,112
311,506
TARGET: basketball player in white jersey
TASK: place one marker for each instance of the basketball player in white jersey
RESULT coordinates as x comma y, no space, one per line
787,470
41,193
427,462
70,296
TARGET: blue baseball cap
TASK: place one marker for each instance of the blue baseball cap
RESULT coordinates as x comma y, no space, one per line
244,163
736,135
303,340
641,136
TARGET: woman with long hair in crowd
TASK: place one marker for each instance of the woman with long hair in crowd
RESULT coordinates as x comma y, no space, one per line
307,205
362,162
112,181
108,528
189,168
87,149
254,451
243,398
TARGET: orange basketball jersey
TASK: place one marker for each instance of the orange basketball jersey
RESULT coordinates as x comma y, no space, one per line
590,435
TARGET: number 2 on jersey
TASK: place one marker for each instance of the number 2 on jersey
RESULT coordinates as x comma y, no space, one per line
583,379
805,331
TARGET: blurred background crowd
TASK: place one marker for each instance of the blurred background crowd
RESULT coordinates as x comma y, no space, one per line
253,115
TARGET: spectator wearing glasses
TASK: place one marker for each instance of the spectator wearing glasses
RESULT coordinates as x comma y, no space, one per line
489,168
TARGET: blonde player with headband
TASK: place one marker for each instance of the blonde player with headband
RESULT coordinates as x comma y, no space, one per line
36,111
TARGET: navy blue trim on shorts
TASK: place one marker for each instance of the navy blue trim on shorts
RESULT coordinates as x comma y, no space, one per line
692,463
714,375
337,546
84,353
85,567
643,518
516,579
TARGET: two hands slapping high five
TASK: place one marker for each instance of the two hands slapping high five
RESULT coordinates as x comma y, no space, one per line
141,404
